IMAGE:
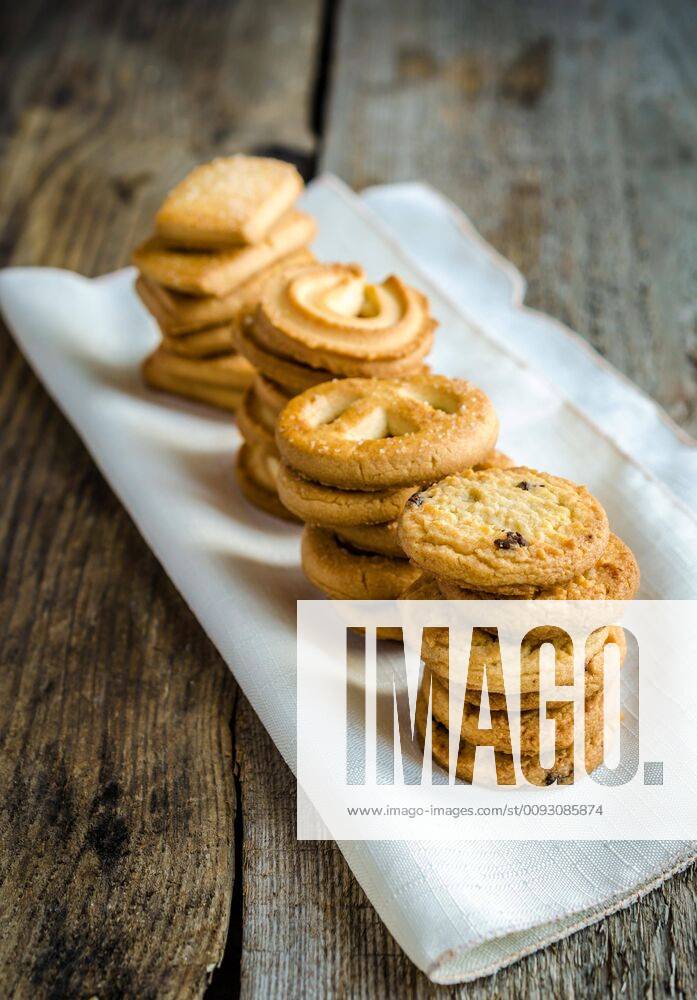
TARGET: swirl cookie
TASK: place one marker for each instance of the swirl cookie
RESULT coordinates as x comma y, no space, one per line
369,434
178,314
560,773
229,201
329,316
327,505
345,573
217,273
218,381
255,471
291,376
504,530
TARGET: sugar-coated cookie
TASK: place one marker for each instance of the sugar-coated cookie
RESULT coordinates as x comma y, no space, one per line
231,200
370,434
504,530
219,272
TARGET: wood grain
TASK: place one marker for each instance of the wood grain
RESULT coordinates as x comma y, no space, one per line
567,132
117,793
309,929
119,725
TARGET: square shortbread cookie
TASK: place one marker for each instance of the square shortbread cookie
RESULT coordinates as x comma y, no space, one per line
230,201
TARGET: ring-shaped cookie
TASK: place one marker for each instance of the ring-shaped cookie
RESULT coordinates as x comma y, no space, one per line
344,573
370,434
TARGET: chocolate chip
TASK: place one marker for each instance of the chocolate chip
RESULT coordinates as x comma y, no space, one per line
523,485
416,499
550,778
512,538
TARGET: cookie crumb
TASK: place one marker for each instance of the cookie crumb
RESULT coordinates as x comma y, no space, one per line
512,538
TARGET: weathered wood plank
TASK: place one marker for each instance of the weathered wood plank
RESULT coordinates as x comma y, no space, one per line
567,132
309,929
116,786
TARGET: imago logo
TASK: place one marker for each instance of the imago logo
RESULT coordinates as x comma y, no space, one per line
492,710
471,719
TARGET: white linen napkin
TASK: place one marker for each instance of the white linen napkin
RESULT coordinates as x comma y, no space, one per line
458,910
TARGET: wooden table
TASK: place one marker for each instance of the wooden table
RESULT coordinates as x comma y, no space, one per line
146,820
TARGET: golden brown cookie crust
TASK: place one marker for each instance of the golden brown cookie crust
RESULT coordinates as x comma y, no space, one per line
561,773
221,387
255,421
615,577
219,272
178,314
380,538
210,343
327,505
344,573
273,396
498,733
330,316
230,201
485,656
333,507
505,530
371,434
256,488
593,678
291,376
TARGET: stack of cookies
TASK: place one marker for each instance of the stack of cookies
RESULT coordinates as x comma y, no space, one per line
219,236
506,534
257,460
353,451
316,323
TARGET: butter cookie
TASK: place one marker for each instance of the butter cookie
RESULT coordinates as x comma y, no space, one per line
217,273
369,434
231,200
504,530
